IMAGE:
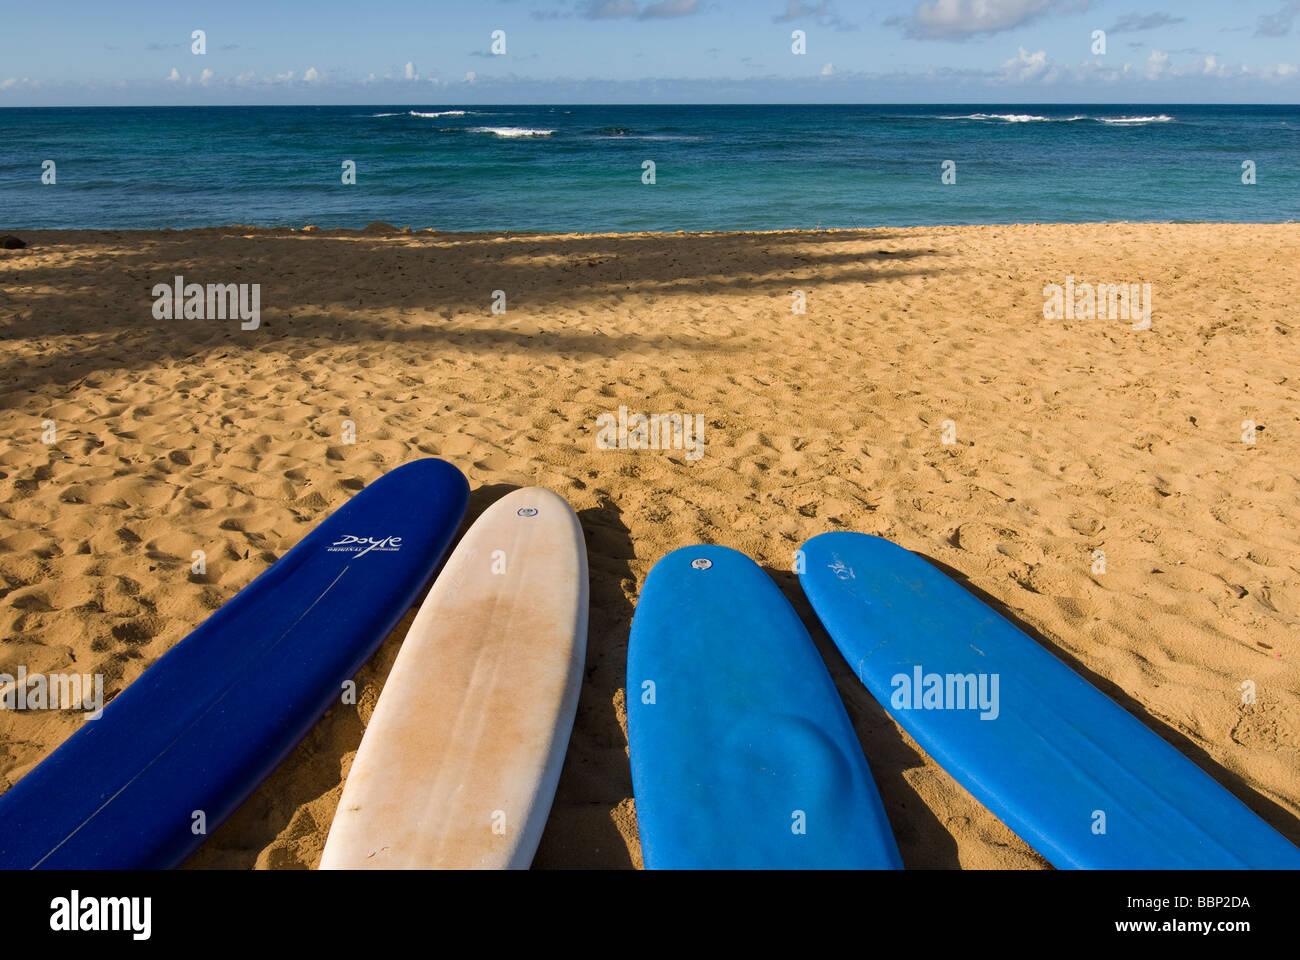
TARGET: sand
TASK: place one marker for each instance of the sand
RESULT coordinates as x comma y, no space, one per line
1071,436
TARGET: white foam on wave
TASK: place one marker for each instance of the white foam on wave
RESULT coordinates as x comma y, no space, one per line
388,114
1035,118
1015,118
439,113
1163,118
513,131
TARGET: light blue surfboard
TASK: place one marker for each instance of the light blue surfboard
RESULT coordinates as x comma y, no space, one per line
1077,777
742,754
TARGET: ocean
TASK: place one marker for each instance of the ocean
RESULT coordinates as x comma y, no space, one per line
582,168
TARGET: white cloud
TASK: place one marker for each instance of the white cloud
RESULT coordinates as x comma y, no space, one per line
204,77
1272,73
1213,68
1026,66
959,19
471,77
410,72
828,69
174,76
1157,64
311,76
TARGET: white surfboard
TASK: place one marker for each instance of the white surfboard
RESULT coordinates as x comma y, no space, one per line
458,766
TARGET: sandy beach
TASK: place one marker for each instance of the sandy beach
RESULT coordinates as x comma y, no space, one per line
1068,437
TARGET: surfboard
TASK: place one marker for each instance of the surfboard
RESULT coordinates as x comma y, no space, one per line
742,753
1076,776
459,763
179,749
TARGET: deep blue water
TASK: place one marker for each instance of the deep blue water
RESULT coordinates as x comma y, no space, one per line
579,168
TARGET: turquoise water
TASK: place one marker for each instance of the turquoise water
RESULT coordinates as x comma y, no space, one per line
579,168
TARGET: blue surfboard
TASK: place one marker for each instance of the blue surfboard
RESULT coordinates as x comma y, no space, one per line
191,738
742,754
1077,777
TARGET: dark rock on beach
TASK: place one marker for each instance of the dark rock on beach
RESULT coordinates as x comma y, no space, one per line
10,242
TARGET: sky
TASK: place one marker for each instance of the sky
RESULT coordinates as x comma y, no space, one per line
435,52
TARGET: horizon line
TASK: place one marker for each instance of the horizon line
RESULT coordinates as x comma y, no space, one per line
649,103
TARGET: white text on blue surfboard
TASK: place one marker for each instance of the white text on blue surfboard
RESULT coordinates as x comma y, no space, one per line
360,546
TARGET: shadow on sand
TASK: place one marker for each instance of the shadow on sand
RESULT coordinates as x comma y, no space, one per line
432,290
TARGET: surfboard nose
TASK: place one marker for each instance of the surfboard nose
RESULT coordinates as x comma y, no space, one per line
701,557
742,754
462,755
529,502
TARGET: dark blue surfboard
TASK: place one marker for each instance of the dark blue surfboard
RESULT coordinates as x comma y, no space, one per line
202,727
742,754
1077,777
